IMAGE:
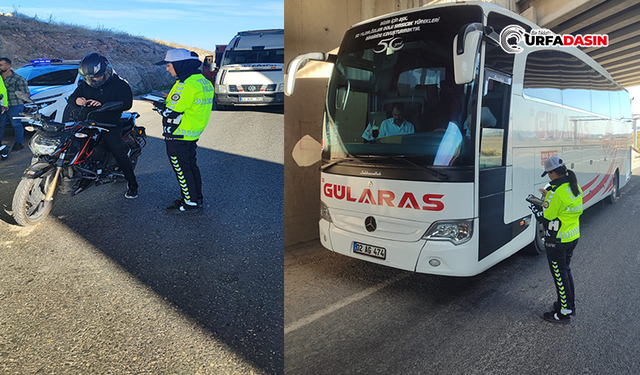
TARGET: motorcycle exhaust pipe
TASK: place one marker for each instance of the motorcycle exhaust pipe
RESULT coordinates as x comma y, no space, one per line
52,186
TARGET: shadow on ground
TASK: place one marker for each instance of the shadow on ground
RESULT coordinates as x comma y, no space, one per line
223,267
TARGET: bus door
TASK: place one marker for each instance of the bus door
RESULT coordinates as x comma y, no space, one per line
495,181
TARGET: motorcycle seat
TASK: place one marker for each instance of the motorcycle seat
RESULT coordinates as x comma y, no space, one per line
128,120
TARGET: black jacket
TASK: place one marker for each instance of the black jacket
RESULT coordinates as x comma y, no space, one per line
114,90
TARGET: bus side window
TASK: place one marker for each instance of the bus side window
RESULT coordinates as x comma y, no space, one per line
494,119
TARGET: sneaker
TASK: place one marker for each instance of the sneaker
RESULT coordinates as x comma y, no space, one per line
18,147
556,307
178,202
132,192
183,208
556,317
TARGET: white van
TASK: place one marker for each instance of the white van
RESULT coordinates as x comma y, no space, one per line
252,70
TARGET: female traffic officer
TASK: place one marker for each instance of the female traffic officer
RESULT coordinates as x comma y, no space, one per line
560,215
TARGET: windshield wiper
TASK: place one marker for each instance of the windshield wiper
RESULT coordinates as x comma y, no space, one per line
431,171
400,158
360,158
337,161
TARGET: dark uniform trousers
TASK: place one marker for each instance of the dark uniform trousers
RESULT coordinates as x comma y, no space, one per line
182,155
559,257
113,139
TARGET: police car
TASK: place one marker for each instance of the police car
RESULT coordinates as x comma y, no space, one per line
51,81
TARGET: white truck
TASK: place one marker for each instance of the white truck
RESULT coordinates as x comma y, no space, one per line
252,70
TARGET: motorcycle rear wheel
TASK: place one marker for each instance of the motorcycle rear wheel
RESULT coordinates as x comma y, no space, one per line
29,206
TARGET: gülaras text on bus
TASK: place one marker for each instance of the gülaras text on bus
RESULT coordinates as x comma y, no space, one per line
432,202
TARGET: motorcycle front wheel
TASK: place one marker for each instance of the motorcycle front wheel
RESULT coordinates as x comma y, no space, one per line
29,206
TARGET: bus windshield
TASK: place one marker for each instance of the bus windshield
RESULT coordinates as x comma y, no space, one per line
392,91
264,56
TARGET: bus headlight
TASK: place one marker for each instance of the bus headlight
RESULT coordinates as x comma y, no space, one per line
455,231
221,89
324,212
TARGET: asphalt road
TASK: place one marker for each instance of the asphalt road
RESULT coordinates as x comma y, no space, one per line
345,316
115,286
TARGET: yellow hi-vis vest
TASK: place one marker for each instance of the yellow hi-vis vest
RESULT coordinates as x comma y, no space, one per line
563,210
3,92
194,99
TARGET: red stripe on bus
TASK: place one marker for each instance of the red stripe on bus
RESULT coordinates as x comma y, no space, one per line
587,185
595,191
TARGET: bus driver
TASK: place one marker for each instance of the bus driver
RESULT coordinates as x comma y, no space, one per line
395,125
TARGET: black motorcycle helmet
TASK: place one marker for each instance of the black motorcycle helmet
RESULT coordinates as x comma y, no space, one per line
94,65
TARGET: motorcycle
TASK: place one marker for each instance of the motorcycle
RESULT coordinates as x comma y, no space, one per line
69,158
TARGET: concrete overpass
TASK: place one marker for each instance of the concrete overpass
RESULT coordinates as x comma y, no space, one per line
319,26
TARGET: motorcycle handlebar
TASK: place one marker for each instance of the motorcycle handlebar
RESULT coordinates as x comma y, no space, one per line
101,124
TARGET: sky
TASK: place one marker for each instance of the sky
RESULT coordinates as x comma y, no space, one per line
194,23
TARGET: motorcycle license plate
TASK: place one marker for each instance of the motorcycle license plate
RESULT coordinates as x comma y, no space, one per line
372,251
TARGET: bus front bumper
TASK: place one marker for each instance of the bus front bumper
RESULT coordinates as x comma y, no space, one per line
432,257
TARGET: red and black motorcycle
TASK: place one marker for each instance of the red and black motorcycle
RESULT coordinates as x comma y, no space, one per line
69,158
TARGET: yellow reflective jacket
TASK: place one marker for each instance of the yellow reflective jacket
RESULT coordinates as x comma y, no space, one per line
562,209
3,92
191,102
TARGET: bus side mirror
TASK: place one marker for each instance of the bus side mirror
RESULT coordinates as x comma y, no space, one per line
466,46
297,63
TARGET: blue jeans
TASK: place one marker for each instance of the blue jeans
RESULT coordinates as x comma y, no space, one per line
13,111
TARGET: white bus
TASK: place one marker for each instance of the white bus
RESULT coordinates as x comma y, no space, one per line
447,195
252,70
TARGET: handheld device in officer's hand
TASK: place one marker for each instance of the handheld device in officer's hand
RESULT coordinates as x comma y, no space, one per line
153,98
534,200
157,101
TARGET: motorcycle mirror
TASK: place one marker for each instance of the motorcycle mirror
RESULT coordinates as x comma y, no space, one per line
24,96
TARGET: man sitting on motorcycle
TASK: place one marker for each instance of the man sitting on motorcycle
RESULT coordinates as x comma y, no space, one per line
102,85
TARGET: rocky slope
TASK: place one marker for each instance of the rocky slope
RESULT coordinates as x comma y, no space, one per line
23,39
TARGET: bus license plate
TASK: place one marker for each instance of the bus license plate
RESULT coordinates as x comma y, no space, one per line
372,251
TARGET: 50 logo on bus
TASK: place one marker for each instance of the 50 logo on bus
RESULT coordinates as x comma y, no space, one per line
393,44
430,202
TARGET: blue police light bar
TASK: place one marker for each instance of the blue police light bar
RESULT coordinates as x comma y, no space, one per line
45,61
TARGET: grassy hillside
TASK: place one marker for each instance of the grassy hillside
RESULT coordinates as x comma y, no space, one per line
25,38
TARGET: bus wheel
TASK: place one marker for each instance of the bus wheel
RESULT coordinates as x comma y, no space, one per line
611,199
537,246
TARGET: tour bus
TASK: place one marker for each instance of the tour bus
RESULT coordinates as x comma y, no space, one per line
447,196
252,70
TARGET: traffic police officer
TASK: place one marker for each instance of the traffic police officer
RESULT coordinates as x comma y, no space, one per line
186,114
4,106
560,214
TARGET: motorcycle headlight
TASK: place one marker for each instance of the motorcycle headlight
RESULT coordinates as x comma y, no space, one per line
455,231
324,212
43,145
221,89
